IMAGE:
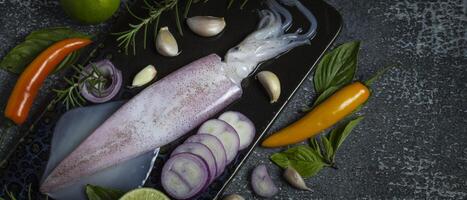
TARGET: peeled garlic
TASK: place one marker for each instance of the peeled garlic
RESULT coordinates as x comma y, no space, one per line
233,197
206,26
144,76
166,44
294,178
271,83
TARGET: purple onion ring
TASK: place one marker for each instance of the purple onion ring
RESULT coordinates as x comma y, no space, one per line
111,73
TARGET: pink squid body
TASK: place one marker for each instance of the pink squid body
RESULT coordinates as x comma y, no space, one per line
161,113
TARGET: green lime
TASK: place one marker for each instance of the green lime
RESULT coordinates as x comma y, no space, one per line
90,11
144,194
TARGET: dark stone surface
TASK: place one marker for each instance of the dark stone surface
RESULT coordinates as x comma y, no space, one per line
413,141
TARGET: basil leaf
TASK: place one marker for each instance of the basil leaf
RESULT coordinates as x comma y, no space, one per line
36,42
323,96
314,144
329,149
337,68
337,136
304,159
100,193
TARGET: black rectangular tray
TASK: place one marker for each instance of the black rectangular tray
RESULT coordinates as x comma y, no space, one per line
292,68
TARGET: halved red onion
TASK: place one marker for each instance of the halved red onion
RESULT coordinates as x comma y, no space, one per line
111,73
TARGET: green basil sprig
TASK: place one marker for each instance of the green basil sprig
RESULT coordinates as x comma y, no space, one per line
308,160
36,42
95,192
337,68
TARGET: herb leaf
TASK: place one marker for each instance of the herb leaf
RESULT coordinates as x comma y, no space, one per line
330,151
323,96
314,144
337,68
303,158
36,42
309,160
100,193
337,136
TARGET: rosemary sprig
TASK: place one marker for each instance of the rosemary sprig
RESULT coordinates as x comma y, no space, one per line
127,39
71,97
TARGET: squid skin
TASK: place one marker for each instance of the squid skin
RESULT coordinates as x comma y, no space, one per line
182,100
158,115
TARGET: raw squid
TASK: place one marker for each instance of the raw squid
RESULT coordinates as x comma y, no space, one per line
72,128
182,100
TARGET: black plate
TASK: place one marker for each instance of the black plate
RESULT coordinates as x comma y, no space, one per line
292,68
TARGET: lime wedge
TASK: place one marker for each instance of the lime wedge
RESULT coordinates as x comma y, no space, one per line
144,194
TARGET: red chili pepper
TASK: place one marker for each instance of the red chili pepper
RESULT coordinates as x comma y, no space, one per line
34,75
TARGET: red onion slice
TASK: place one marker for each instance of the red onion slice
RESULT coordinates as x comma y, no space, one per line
111,73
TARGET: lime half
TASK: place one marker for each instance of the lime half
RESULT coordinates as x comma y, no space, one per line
144,194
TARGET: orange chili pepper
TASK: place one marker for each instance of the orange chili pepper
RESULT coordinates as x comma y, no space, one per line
34,75
323,116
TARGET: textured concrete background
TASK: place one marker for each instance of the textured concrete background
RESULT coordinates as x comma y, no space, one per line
413,141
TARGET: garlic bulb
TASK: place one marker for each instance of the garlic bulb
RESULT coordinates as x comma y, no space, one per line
206,26
271,83
144,76
294,178
166,44
233,197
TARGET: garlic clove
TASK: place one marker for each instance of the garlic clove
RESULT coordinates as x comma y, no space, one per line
294,179
166,44
206,26
144,76
271,83
233,197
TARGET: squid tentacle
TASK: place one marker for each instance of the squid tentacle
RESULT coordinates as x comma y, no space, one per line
310,17
270,39
283,12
